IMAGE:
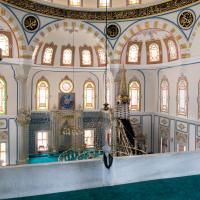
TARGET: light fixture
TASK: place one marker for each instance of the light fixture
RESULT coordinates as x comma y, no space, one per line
1,56
106,105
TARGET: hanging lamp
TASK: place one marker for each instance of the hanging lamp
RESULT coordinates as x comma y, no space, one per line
106,105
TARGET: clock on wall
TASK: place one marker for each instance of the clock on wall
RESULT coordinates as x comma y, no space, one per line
31,23
186,19
112,30
66,86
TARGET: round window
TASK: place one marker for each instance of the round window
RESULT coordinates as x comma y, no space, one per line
66,86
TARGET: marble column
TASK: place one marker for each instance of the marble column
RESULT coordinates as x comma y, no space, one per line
23,118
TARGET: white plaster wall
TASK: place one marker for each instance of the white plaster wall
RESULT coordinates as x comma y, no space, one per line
192,136
59,177
172,135
156,134
151,90
147,131
7,72
192,72
54,78
13,144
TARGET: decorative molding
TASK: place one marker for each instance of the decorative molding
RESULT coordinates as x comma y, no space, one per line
3,136
181,126
100,15
135,120
3,123
164,122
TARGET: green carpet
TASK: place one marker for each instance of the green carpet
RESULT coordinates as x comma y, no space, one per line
184,188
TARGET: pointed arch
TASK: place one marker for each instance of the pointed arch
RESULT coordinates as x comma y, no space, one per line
3,96
135,95
164,95
182,96
154,24
89,95
18,36
42,94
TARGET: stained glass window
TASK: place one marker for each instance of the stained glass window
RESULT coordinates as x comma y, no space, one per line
35,52
4,45
42,95
132,2
86,57
154,52
76,3
134,95
42,141
89,95
101,55
172,50
133,53
164,95
3,154
48,55
67,57
199,100
89,138
3,96
104,3
182,96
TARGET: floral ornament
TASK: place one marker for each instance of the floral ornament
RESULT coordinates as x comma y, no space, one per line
23,117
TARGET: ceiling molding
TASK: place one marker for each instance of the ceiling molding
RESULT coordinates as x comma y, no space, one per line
152,10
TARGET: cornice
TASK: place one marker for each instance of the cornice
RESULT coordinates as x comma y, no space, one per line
100,15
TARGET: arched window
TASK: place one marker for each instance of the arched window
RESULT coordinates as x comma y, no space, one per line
67,58
134,51
89,95
135,95
164,95
101,55
104,3
154,52
171,49
75,3
6,44
182,96
86,56
42,95
49,54
198,99
3,96
35,52
132,2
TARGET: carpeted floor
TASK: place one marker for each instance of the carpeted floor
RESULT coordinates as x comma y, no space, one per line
184,188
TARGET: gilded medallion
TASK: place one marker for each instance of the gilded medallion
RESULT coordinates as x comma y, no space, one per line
112,30
31,23
186,19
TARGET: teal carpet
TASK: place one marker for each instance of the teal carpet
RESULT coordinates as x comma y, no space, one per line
184,188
